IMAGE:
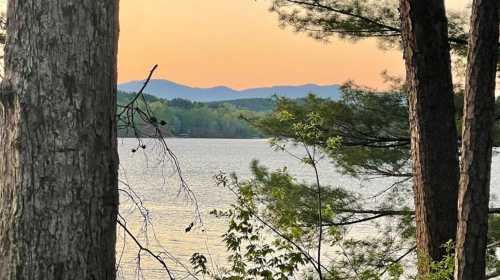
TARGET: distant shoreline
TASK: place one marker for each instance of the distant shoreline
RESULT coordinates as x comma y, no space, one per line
190,137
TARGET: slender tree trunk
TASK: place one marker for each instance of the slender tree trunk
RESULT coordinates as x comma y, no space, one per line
433,131
479,116
58,157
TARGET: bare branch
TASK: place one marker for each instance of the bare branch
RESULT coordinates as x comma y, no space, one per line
145,249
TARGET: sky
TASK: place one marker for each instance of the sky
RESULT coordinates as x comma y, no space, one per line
238,43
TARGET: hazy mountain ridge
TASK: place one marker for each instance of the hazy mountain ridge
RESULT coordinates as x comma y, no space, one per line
170,90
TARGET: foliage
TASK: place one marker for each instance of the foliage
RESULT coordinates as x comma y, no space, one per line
307,216
250,104
373,128
251,257
493,264
441,270
184,118
279,245
364,133
354,20
357,19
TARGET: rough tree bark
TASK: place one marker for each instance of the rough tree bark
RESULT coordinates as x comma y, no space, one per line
433,131
477,141
58,157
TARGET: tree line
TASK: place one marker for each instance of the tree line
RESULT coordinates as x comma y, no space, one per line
184,118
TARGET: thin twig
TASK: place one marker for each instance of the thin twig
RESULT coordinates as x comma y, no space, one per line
145,249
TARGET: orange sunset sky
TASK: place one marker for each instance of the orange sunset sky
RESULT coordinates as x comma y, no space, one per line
238,43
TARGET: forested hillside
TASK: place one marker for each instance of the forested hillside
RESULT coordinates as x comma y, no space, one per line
251,104
184,118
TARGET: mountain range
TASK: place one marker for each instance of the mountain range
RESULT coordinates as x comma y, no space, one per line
170,90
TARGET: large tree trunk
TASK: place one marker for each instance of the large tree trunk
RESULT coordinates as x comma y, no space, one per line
58,157
433,131
479,116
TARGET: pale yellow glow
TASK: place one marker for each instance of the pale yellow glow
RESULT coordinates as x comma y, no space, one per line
238,43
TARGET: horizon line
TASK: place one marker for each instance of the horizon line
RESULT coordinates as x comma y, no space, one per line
232,88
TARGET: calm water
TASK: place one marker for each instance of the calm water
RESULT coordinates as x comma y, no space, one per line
171,211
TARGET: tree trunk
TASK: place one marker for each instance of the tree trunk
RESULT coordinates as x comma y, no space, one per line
477,141
432,119
58,154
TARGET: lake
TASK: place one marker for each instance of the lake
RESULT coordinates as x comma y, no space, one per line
171,211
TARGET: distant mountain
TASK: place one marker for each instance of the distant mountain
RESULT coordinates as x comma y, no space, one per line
170,90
